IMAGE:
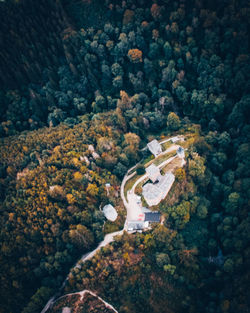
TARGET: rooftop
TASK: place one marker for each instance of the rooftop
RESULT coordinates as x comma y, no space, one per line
166,181
134,225
150,191
152,217
153,172
110,212
91,148
154,193
154,147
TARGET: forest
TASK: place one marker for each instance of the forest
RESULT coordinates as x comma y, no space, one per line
109,76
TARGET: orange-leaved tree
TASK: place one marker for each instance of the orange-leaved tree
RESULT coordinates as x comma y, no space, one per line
135,55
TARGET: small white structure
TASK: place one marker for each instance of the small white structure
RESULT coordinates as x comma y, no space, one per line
154,147
66,310
153,173
154,193
110,212
136,225
107,186
52,188
181,152
91,148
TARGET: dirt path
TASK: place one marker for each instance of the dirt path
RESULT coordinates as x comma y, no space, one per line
82,294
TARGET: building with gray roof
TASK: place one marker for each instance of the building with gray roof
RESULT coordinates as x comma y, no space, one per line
154,147
152,217
154,193
153,173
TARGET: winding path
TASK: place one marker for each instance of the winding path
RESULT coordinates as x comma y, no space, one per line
107,240
133,210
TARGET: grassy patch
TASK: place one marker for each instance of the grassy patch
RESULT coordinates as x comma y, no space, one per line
110,227
163,158
176,163
166,145
148,159
129,184
138,189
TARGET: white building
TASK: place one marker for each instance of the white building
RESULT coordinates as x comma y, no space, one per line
154,147
154,193
136,225
153,173
110,212
66,310
91,148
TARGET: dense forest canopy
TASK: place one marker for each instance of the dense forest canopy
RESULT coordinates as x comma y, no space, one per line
115,74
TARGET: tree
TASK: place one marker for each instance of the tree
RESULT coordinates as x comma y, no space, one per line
140,170
173,121
120,170
92,190
196,166
38,299
228,265
169,269
156,11
117,82
202,211
135,55
131,142
233,201
167,50
116,69
128,17
180,175
81,237
162,259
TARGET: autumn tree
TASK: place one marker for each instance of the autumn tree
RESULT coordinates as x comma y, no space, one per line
173,121
135,55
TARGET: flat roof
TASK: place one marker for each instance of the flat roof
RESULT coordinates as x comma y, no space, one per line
166,181
150,191
154,147
152,217
153,191
110,212
136,224
152,170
